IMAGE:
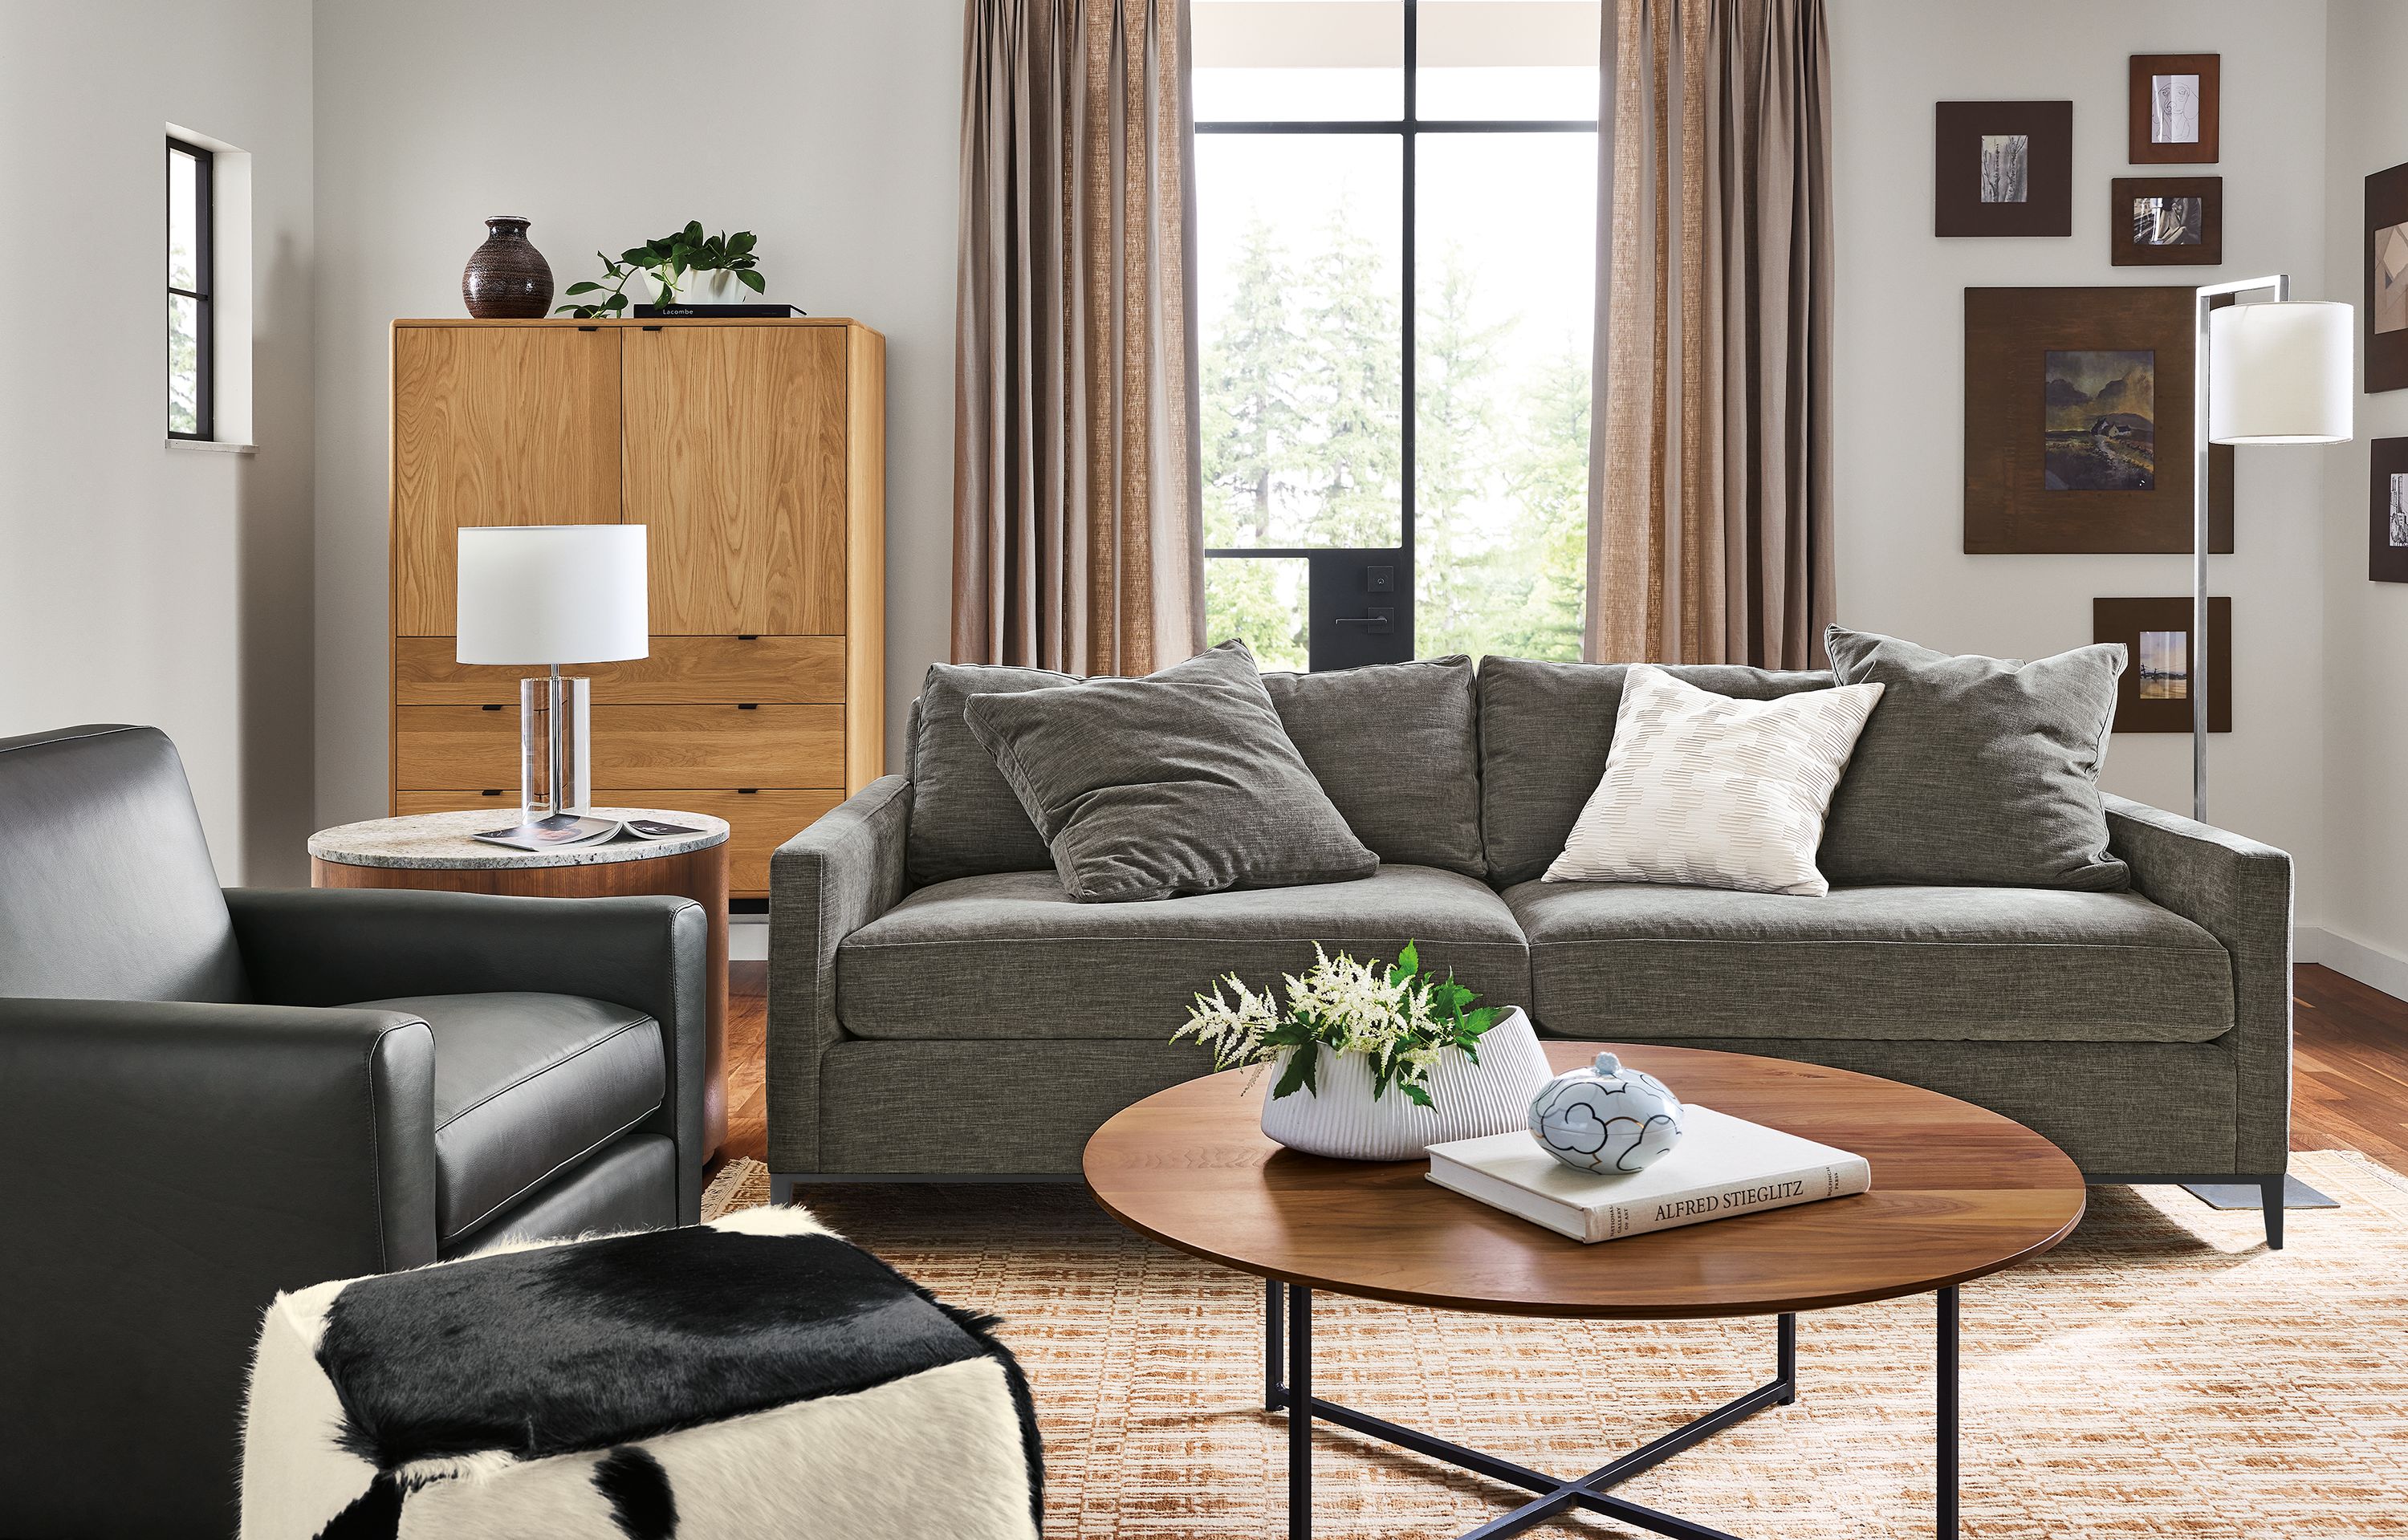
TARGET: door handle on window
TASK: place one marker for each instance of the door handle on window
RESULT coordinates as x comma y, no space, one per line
1379,620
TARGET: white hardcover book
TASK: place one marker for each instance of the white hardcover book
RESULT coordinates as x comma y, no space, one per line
1723,1166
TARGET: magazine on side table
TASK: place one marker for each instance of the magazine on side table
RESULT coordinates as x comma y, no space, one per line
564,831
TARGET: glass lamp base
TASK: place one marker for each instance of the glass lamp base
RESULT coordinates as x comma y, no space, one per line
555,769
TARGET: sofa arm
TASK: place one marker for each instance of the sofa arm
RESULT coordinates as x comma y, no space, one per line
826,883
164,1169
2239,891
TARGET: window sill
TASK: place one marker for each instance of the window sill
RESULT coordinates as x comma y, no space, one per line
211,446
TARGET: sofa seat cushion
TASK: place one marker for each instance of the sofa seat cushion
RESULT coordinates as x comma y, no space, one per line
1010,955
1898,963
526,1085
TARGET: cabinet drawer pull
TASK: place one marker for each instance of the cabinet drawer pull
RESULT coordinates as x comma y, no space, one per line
748,791
489,709
749,706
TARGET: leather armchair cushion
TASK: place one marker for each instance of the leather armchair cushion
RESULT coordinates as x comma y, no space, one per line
525,1086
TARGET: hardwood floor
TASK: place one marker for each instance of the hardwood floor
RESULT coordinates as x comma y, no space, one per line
2349,1085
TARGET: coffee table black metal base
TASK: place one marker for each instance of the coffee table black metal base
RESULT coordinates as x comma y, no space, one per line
1287,1383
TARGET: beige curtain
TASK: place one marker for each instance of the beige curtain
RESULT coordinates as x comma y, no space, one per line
1078,515
1710,480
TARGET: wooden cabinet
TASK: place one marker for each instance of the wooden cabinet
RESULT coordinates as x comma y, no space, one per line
754,453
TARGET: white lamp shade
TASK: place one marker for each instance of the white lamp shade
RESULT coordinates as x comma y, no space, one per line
552,593
2279,373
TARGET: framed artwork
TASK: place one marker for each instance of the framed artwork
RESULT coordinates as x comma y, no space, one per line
2387,512
2166,222
2154,695
2078,422
2174,109
2387,279
2002,168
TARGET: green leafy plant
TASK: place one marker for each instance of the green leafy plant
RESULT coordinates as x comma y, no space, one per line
1400,1016
665,260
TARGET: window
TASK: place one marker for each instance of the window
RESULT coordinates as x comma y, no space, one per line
1393,191
188,320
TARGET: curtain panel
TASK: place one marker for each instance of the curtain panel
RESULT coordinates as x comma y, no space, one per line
1710,485
1078,507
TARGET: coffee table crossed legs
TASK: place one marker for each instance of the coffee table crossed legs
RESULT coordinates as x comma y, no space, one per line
1287,1383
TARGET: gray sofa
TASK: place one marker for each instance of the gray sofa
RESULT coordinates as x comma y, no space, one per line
2146,1031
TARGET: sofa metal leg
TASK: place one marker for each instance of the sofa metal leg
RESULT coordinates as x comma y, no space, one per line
2271,1188
781,1191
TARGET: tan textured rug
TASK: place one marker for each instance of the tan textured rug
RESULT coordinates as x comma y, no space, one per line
2161,1374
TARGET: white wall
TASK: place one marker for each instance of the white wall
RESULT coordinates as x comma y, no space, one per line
2365,623
1899,361
138,582
830,129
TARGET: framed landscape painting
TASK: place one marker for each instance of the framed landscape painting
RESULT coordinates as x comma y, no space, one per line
2387,513
2175,113
2002,168
2166,222
2387,279
2154,695
2078,433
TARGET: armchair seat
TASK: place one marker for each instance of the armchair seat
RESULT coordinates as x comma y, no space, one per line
526,1085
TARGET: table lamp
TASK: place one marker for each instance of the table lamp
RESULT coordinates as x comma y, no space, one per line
2269,373
553,595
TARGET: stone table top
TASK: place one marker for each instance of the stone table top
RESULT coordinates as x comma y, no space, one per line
432,841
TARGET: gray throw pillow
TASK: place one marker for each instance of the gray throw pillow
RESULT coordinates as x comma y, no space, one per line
965,819
1974,770
1180,782
1396,747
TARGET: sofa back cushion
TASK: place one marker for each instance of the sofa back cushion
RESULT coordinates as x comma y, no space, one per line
1545,730
1396,747
966,820
106,891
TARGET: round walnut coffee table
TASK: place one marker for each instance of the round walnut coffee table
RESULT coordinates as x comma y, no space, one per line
1958,1192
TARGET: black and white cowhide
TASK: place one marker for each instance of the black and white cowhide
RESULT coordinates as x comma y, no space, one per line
757,1377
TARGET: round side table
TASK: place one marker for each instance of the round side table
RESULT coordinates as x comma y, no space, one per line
433,850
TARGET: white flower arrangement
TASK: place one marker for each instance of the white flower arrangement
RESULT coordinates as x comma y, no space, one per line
1401,1019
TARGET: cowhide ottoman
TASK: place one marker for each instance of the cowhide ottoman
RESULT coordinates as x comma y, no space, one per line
756,1376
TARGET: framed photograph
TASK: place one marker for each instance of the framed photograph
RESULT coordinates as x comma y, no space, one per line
2078,424
2154,695
2387,512
2166,222
2173,112
2002,168
2387,279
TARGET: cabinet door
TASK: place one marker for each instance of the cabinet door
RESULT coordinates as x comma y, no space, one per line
494,425
735,458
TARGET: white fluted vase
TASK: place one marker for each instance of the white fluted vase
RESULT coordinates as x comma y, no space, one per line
1342,1119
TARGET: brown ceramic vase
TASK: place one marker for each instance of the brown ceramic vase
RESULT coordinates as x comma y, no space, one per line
506,278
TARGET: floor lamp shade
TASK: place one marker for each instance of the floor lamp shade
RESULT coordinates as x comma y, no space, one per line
2280,373
552,593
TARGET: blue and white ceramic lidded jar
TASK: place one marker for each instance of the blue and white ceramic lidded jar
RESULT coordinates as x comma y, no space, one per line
1606,1119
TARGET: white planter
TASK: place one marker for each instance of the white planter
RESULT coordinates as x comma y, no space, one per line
1342,1119
719,287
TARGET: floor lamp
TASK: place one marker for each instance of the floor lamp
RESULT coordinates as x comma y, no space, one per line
2269,373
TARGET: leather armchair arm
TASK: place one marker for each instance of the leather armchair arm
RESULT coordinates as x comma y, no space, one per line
332,946
164,1169
826,883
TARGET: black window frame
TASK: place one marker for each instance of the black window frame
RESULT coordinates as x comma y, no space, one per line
1360,602
204,261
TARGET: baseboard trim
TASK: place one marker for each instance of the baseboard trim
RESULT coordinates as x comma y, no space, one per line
748,938
2370,966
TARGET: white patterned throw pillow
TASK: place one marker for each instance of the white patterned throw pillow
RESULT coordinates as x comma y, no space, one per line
1714,792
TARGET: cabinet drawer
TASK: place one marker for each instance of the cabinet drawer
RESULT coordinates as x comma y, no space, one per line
768,669
709,746
757,822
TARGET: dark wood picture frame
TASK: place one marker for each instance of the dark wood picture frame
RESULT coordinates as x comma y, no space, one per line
2047,205
2009,507
2124,620
2386,563
2387,351
2143,150
2127,250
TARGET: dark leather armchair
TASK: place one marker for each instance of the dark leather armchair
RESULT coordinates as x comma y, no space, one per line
209,1095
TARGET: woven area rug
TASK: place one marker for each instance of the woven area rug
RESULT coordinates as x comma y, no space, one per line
2161,1374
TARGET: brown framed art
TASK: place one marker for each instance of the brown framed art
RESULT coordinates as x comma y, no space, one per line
2387,279
2166,222
2387,512
2174,114
2154,695
2078,424
2002,168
